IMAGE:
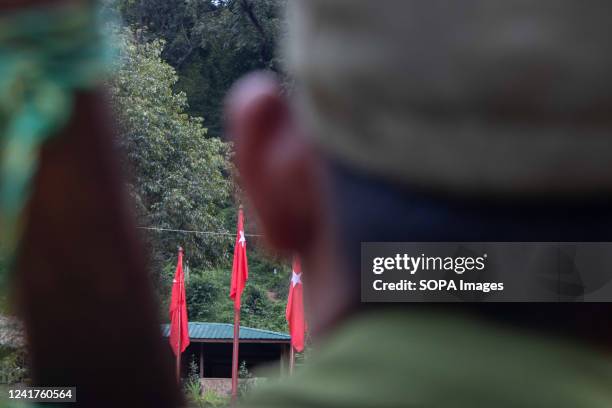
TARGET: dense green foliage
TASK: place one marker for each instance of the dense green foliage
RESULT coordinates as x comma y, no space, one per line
263,301
210,43
180,177
13,368
13,360
171,53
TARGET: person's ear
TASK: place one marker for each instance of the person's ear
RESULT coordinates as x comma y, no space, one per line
278,168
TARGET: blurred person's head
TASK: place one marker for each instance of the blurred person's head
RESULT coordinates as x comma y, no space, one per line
427,121
71,260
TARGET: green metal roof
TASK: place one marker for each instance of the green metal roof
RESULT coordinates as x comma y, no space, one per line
225,331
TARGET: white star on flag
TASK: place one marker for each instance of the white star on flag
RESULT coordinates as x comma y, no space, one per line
242,240
296,278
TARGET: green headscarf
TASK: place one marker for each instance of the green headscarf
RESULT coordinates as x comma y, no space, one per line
46,54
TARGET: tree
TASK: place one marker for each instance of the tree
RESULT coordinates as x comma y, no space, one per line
180,177
181,174
210,43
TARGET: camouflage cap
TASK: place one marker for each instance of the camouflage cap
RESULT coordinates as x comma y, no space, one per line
490,96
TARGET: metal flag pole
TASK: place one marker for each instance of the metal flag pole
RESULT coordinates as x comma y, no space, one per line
291,359
235,354
180,326
178,355
239,268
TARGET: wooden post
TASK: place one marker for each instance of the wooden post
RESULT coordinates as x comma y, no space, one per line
235,354
291,359
201,360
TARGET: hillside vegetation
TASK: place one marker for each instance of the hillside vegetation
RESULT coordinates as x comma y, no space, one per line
177,59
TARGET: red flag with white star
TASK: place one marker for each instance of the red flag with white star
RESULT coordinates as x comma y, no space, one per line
179,329
295,307
240,268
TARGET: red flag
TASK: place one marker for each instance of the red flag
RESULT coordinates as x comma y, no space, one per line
179,329
295,307
240,269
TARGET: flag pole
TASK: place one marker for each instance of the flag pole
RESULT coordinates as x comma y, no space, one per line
235,349
291,359
235,354
178,354
240,274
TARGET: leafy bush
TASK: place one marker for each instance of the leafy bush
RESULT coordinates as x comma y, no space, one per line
193,392
13,367
244,386
192,385
213,400
207,296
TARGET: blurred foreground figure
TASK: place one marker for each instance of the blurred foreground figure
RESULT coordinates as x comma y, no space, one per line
435,121
80,282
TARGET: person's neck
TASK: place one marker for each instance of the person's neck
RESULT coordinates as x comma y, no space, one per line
332,292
